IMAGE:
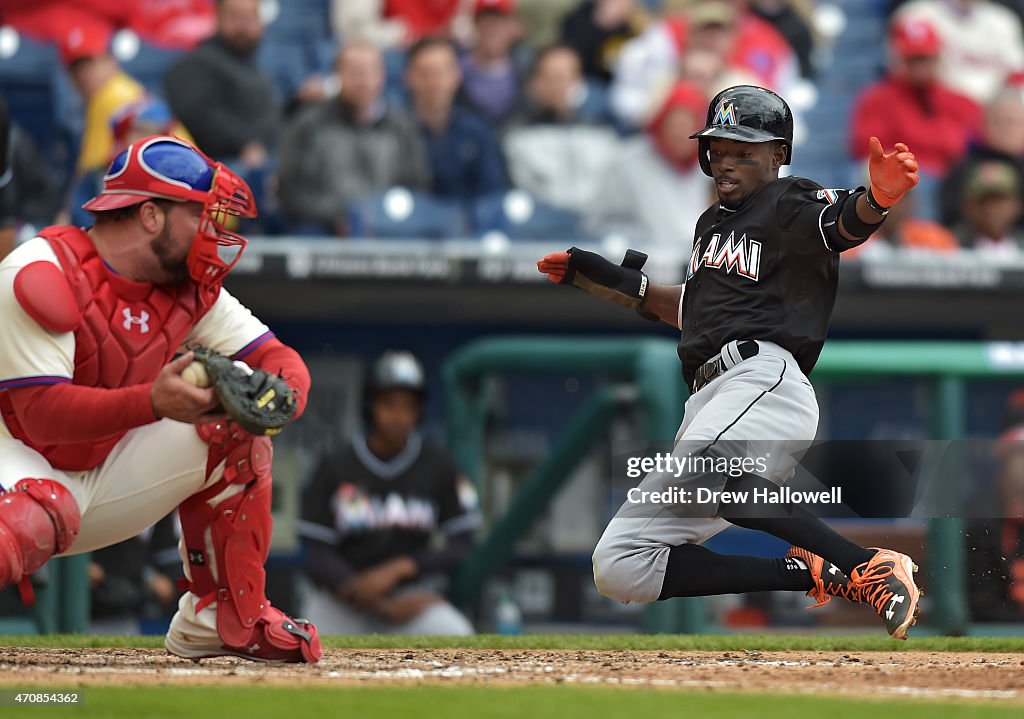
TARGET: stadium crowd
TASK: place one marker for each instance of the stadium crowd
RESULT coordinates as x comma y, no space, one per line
581,110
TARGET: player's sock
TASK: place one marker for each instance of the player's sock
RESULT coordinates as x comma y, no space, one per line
812,534
794,523
695,571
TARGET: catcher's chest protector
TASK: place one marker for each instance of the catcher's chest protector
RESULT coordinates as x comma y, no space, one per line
129,331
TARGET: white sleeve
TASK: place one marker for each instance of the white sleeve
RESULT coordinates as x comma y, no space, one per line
229,328
30,354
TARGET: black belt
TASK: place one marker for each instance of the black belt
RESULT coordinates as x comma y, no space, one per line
730,356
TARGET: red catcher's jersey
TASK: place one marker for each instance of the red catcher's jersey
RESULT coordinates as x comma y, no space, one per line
129,331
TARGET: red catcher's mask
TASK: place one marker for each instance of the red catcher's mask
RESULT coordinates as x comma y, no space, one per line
170,168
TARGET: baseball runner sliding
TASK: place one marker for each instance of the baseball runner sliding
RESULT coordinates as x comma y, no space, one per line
753,313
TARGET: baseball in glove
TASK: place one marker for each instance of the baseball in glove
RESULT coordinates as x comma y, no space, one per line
259,402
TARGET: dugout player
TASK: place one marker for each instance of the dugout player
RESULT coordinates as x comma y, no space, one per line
100,434
372,510
753,311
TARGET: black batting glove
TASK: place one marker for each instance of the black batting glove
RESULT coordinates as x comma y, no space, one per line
623,284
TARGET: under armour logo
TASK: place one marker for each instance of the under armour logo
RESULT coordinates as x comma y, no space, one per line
833,569
196,557
131,320
896,599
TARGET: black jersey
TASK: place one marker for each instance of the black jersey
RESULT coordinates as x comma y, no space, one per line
372,510
765,271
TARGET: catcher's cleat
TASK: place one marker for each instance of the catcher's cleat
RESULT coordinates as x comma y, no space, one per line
294,641
829,580
886,582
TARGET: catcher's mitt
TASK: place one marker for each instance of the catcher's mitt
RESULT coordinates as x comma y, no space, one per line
259,402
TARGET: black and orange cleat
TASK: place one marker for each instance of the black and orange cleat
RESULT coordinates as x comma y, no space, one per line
886,582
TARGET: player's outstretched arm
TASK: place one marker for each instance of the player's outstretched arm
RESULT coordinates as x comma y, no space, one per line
623,284
892,174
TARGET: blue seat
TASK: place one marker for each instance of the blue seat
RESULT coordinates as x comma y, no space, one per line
149,65
520,216
286,63
41,99
31,62
404,214
596,107
325,54
300,21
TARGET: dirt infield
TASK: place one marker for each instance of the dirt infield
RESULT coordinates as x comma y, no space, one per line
916,674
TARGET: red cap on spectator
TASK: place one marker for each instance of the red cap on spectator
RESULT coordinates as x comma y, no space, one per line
503,7
915,38
682,94
85,40
1015,80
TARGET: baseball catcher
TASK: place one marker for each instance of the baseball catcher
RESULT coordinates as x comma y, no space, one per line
753,314
101,432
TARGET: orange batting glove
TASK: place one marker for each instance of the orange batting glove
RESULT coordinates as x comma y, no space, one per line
892,174
554,266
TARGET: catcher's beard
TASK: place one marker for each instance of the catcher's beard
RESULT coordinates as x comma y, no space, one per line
172,261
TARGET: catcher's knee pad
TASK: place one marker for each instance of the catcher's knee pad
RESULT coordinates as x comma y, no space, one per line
226,531
245,457
38,519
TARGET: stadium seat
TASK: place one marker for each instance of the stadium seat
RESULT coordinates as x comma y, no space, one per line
595,107
24,60
28,71
325,54
394,78
297,21
286,63
145,62
40,97
520,216
399,213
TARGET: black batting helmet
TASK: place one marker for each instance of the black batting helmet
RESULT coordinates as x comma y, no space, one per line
746,113
393,370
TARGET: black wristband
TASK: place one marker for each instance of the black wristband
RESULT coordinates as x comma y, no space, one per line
873,204
852,223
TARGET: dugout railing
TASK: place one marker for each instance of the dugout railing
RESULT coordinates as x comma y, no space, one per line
651,367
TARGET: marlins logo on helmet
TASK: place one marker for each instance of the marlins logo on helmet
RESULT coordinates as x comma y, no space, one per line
726,113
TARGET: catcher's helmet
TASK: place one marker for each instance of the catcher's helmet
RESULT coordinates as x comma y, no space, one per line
393,370
746,113
169,168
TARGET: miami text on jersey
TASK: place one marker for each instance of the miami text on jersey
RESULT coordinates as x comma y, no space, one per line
741,255
355,510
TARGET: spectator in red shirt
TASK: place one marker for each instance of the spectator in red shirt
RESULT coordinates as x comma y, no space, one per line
910,105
